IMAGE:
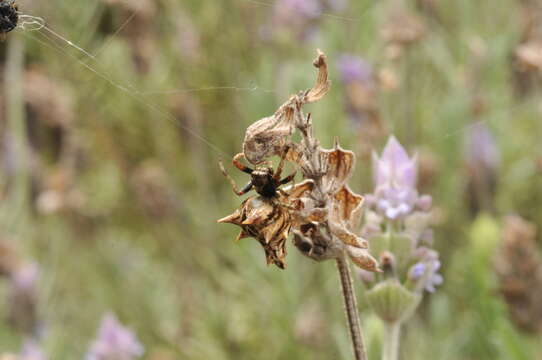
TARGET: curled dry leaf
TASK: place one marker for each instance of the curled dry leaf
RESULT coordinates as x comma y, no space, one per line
268,136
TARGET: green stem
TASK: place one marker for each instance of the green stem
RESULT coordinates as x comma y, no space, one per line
351,308
13,76
392,333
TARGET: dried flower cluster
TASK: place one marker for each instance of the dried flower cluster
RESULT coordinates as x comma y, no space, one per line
322,212
397,225
519,268
527,56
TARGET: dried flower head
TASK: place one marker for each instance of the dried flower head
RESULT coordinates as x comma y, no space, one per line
322,212
519,267
402,30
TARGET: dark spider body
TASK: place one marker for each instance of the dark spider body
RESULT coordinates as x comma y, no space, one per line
266,216
9,15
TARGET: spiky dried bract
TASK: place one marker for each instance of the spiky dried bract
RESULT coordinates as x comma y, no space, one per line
338,207
269,221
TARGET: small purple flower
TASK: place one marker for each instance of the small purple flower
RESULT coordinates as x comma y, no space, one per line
426,269
32,351
434,279
395,180
416,271
114,342
354,69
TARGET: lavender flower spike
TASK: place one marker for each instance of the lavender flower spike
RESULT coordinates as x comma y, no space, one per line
395,181
114,342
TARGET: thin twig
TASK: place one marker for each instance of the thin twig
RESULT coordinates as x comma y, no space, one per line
350,304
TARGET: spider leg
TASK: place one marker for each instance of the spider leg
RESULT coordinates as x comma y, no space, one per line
287,179
244,190
239,165
277,174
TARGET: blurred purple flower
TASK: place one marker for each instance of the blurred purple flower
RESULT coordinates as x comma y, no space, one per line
395,181
480,147
354,69
416,271
23,298
25,278
114,342
309,9
434,279
32,351
426,269
428,273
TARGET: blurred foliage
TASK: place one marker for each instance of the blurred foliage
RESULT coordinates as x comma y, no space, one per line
117,197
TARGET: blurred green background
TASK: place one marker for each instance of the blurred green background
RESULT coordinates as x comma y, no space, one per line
110,184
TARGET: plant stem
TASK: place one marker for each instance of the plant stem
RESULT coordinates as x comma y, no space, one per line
16,128
351,308
392,333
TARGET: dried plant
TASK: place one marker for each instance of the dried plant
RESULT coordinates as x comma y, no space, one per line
527,56
322,212
519,268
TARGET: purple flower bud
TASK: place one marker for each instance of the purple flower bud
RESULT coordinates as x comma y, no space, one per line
354,69
395,166
114,342
395,180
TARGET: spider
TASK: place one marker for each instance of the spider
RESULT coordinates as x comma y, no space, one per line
9,16
266,216
264,180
